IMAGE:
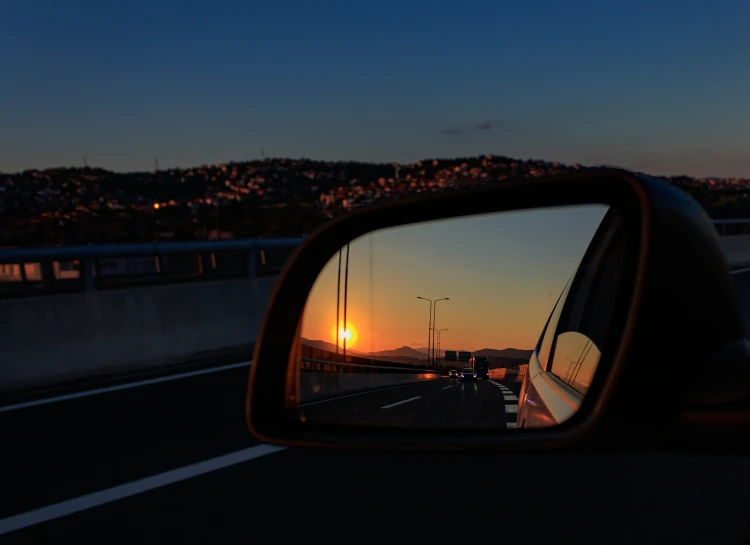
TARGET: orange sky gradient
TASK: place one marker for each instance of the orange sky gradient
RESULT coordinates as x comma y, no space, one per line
502,272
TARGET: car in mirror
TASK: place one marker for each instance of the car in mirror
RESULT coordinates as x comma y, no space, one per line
559,303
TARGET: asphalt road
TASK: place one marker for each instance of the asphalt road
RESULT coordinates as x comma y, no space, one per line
444,403
172,462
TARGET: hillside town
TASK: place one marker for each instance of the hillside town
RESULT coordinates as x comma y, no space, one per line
264,198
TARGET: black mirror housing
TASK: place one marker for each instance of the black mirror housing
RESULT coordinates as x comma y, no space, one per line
678,311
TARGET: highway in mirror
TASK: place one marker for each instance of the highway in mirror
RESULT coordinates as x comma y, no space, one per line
433,324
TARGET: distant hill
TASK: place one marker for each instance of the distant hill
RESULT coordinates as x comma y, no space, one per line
420,362
403,352
507,357
324,345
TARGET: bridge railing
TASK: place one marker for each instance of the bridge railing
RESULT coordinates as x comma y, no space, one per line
321,379
732,227
65,269
514,374
326,366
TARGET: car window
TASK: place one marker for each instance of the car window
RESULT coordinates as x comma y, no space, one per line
583,329
549,332
576,359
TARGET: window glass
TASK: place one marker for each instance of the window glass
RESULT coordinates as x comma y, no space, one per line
576,352
575,360
549,332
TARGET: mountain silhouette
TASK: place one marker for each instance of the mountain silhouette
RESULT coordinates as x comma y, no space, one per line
403,352
505,357
330,347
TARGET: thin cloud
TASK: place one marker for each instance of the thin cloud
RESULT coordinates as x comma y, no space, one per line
487,125
461,129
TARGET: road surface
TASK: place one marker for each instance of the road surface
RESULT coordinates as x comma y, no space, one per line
440,403
170,460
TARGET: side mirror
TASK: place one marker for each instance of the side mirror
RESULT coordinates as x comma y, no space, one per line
576,310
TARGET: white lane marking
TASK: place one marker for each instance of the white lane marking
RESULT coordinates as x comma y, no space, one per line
503,387
68,507
740,271
510,398
401,402
511,425
362,393
511,408
449,386
123,386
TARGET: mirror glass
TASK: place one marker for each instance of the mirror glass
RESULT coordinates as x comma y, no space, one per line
485,321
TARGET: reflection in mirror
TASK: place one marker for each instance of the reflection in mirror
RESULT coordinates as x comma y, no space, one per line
576,359
440,324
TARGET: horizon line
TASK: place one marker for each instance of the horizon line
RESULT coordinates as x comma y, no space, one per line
343,161
415,349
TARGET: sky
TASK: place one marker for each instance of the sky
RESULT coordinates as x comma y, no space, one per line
653,85
502,274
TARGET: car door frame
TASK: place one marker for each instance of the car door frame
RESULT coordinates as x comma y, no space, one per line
552,400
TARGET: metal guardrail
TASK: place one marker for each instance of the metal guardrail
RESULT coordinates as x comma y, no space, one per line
45,270
71,253
42,271
729,227
332,367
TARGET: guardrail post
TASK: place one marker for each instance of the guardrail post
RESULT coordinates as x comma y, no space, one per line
87,272
252,265
48,273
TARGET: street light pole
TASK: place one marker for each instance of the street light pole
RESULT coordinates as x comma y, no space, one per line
346,292
434,322
336,334
429,328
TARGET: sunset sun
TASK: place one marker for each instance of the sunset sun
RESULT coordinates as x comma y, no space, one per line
349,335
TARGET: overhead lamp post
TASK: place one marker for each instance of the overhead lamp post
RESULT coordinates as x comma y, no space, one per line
434,318
429,328
346,293
338,300
338,305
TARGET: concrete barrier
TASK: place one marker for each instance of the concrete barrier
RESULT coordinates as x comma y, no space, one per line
325,375
49,340
52,339
737,250
515,375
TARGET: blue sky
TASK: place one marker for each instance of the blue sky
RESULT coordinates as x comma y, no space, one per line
502,273
661,86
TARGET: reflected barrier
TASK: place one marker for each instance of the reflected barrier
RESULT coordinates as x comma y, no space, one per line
333,375
514,374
